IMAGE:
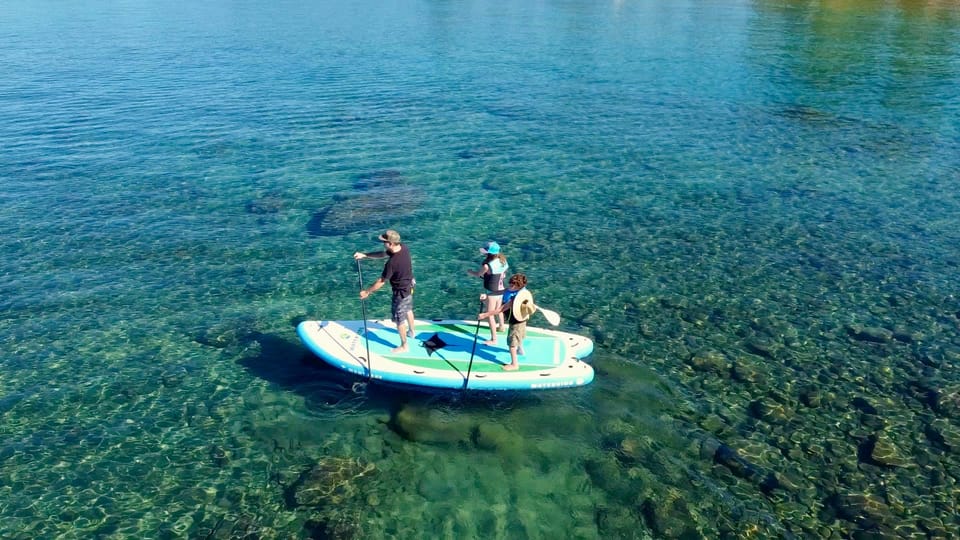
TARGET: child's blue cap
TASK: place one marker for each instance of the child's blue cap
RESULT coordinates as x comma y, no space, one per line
490,248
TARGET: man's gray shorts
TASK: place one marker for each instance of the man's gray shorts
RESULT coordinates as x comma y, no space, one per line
400,307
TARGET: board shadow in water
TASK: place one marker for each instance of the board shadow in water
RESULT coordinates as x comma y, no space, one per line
293,368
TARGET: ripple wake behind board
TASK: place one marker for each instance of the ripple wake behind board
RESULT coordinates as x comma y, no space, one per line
438,355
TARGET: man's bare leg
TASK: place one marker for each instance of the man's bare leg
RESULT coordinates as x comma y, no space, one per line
402,330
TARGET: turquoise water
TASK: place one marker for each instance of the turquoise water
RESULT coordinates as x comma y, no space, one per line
751,207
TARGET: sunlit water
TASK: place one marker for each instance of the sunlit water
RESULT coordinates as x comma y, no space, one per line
751,207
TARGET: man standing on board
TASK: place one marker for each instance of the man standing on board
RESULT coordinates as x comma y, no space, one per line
398,270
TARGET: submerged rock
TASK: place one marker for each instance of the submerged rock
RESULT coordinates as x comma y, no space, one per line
331,481
743,468
616,521
496,437
270,203
228,526
871,334
219,456
475,152
863,405
340,525
907,336
174,377
606,473
379,199
883,451
228,333
947,400
863,509
768,410
709,361
762,347
668,515
379,179
740,466
427,425
750,369
811,397
946,434
805,113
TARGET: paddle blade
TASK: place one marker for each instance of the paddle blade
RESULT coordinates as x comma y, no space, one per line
552,316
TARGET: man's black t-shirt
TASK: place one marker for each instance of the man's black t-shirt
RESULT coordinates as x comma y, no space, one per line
398,270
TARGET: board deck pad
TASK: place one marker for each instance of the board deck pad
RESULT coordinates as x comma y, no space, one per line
439,355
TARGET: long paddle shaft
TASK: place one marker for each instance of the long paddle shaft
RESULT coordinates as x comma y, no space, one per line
476,333
363,311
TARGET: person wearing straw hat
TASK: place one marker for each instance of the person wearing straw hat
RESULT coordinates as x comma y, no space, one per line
493,270
518,303
398,270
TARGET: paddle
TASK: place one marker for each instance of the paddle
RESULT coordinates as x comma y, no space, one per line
363,311
552,316
476,333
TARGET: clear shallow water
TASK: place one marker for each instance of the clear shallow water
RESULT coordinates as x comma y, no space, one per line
750,206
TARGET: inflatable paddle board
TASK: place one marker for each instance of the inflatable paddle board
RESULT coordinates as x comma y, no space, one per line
438,355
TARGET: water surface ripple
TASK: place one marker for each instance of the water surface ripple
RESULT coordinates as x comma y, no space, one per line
750,206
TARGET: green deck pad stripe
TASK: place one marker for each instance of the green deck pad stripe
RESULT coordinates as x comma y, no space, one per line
541,349
482,366
472,329
485,359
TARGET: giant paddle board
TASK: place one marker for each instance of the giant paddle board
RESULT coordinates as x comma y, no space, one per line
443,352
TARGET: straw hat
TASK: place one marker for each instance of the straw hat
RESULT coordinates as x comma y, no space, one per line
523,306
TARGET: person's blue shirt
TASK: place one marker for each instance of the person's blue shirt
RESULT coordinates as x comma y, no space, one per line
509,294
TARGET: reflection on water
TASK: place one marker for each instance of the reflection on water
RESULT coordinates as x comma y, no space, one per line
749,206
904,59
